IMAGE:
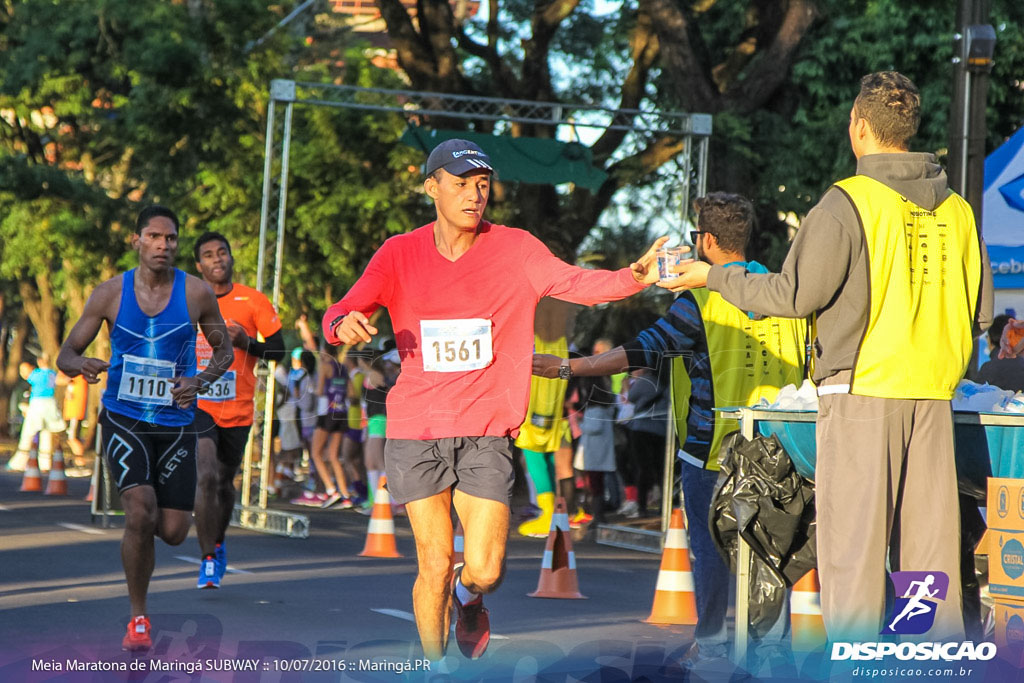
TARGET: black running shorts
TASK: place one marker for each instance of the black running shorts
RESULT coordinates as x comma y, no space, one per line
333,423
141,453
229,441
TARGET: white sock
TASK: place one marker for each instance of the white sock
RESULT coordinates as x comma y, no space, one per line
463,594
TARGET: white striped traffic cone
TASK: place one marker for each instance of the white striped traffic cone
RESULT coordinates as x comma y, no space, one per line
674,602
33,479
94,479
806,622
57,483
380,536
558,568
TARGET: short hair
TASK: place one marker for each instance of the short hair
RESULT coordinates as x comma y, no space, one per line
729,217
891,104
308,360
210,236
995,331
153,211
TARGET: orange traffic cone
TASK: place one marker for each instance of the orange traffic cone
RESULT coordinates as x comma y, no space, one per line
460,545
808,626
380,536
33,479
558,569
57,483
92,480
674,602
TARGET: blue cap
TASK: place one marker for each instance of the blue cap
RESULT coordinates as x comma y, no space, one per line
458,157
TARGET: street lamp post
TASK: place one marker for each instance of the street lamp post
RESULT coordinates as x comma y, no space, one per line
973,62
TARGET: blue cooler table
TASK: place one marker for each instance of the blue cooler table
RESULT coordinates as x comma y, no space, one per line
987,445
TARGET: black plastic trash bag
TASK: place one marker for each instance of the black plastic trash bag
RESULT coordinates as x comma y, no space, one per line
760,493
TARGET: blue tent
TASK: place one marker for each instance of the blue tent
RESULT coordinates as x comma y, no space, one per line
1002,213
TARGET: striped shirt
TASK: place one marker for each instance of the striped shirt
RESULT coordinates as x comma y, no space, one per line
680,332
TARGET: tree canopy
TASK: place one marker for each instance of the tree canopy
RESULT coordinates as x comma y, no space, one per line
108,105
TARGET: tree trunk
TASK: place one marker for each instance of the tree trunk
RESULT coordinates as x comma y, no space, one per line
43,312
11,377
100,348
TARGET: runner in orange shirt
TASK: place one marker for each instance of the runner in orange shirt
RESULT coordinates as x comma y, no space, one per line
225,412
76,396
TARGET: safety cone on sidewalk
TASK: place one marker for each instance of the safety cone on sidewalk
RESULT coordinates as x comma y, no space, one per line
807,624
558,569
57,483
33,479
93,480
380,536
674,602
460,544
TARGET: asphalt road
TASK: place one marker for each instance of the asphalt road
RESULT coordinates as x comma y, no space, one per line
301,610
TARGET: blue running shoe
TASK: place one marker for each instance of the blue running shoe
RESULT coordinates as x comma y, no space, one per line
208,576
220,554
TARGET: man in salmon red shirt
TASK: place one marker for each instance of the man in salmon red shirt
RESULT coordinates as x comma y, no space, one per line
224,414
462,293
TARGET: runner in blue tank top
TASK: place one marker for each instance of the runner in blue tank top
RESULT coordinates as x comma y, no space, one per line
148,440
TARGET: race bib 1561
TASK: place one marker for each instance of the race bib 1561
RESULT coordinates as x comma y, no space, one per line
456,345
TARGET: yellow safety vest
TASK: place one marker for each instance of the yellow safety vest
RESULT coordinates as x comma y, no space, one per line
355,409
545,426
750,360
925,275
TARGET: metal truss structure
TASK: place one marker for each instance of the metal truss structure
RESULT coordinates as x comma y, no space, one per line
423,108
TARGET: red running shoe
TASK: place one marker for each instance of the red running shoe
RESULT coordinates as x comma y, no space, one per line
472,625
137,637
580,520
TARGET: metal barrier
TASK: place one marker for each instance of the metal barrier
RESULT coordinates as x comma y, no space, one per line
276,522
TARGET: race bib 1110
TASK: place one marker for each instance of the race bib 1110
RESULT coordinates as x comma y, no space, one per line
146,380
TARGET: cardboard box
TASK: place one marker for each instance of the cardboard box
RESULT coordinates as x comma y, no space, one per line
1005,550
1005,504
1009,636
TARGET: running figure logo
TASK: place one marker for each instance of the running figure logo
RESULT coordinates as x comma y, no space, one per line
917,595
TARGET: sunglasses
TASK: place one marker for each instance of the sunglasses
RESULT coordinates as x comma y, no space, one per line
694,234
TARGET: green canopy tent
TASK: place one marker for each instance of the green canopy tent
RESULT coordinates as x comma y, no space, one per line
528,160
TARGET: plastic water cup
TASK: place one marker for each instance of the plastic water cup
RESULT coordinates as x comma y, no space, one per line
669,257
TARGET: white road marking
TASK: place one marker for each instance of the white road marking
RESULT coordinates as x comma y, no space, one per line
193,560
79,527
408,616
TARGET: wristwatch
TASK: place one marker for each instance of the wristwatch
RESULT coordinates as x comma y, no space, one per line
564,370
334,325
